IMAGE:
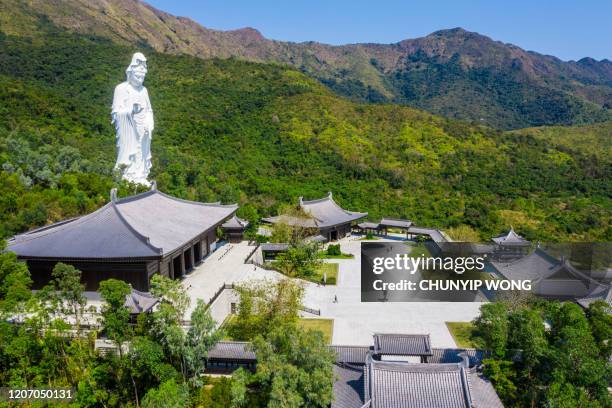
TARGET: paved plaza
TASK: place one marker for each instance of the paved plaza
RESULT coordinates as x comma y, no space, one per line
354,321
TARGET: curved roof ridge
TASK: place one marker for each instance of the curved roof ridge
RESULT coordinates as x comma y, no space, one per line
333,202
311,216
414,367
576,271
350,345
59,226
182,200
134,197
467,386
45,227
318,200
538,251
144,239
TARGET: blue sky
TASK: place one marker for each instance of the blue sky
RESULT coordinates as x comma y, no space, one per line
566,29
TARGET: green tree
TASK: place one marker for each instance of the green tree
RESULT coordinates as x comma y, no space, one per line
301,259
172,293
66,292
503,376
15,285
600,319
168,395
527,341
201,337
294,366
115,316
263,304
492,327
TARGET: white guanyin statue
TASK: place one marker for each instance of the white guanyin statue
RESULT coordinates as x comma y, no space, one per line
132,116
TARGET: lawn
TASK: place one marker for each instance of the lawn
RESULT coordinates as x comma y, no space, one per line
330,269
324,255
463,333
324,325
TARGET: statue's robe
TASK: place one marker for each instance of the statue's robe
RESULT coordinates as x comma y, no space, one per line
133,131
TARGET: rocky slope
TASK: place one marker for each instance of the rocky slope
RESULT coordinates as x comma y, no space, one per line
455,73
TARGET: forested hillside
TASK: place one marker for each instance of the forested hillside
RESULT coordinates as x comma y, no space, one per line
593,139
454,73
262,135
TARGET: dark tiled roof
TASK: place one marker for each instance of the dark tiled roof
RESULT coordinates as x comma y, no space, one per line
351,354
232,350
603,293
434,234
402,344
368,225
482,391
140,302
169,222
348,387
235,223
102,234
540,265
327,213
402,385
145,225
324,212
451,355
533,266
290,220
272,247
315,238
510,238
395,222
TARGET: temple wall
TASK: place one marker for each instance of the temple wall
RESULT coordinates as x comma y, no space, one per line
222,306
93,273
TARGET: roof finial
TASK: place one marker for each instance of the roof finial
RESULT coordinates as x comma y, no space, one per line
113,194
153,185
465,360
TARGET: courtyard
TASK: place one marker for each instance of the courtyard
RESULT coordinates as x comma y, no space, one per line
354,322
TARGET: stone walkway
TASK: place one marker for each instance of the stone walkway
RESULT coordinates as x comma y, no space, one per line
225,265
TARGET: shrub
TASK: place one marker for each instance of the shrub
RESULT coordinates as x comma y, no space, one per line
334,250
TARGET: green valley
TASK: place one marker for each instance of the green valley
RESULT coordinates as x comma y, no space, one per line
453,72
263,134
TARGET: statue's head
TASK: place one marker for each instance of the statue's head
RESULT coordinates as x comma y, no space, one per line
137,70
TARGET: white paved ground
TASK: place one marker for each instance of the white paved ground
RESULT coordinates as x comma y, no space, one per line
354,322
225,265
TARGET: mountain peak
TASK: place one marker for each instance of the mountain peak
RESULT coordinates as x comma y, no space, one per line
248,34
450,32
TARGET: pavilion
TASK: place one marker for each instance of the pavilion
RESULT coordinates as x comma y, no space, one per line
130,239
330,220
510,238
233,229
510,246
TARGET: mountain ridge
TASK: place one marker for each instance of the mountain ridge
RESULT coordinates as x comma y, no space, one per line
263,134
499,84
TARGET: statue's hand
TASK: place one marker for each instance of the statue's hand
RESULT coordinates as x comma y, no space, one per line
137,108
